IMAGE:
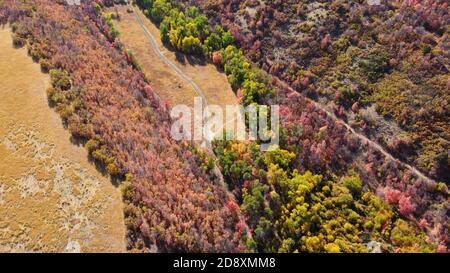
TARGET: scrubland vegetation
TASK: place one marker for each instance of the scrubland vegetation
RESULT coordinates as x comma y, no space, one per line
292,212
352,55
172,202
323,189
312,143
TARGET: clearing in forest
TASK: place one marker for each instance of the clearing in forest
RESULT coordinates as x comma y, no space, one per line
164,79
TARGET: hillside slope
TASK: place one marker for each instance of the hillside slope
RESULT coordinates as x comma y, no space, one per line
314,137
173,202
341,54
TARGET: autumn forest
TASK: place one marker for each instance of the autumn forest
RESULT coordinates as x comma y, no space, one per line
362,163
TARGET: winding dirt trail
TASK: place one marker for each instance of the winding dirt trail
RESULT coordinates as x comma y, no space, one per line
200,92
174,80
362,137
163,57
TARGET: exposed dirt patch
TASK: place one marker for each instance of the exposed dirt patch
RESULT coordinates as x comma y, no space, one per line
164,80
52,199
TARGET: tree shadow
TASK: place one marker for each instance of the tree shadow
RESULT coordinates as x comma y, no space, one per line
183,58
52,105
196,60
180,57
99,166
17,45
78,141
219,68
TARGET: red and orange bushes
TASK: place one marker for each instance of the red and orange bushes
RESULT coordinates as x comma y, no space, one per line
349,53
323,145
433,12
172,203
344,55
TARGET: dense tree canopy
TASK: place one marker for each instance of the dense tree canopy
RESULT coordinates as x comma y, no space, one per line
319,143
342,53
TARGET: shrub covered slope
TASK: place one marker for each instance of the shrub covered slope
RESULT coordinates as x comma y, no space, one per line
173,203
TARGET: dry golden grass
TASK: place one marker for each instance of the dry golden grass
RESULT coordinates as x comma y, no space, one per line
164,80
52,198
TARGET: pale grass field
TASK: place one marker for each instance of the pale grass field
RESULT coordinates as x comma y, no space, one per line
52,199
